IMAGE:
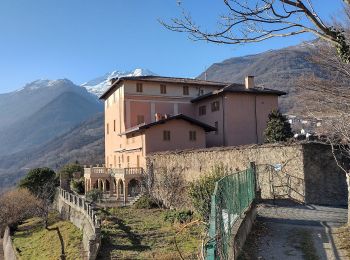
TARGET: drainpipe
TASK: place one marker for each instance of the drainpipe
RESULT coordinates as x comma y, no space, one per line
256,121
223,122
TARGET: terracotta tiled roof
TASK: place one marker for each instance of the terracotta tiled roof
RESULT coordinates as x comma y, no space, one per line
240,88
191,120
163,80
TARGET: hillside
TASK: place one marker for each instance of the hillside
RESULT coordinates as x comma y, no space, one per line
84,144
42,110
276,69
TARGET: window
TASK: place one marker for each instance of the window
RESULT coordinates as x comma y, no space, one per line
215,106
114,125
139,87
107,130
107,160
193,136
166,135
140,119
128,160
202,110
186,91
162,89
115,161
216,124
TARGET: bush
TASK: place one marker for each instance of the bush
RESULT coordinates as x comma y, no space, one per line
201,190
78,186
94,195
41,182
179,216
146,202
70,169
278,128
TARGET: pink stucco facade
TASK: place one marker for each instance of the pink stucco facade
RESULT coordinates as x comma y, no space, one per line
241,118
213,114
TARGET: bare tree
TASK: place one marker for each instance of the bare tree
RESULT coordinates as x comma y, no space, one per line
247,21
16,205
169,187
329,100
45,197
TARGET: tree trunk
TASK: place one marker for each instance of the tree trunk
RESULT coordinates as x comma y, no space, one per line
348,181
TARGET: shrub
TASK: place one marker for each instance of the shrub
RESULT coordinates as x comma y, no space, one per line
278,129
201,190
179,216
78,185
70,169
41,182
146,202
94,195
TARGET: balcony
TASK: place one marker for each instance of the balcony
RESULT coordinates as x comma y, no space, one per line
103,172
126,171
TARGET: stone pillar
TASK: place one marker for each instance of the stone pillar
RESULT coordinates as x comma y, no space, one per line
117,188
125,186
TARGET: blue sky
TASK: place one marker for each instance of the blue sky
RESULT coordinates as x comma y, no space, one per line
83,39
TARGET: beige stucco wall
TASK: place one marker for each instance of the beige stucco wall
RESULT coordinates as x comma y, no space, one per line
308,172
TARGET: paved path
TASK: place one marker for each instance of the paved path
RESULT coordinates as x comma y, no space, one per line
291,231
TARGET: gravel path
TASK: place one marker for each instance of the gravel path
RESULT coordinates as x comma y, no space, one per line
287,231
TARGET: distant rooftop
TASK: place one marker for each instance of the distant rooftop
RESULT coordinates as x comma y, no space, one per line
240,88
163,80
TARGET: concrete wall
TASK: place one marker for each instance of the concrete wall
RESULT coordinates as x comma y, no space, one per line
83,216
305,172
9,252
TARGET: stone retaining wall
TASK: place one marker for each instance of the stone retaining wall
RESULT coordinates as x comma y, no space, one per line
305,172
9,252
83,216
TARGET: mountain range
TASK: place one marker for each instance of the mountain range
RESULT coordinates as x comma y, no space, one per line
53,122
276,69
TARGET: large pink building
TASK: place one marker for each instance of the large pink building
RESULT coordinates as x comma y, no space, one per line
149,114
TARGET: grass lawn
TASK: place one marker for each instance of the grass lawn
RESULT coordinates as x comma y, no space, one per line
342,239
130,233
33,241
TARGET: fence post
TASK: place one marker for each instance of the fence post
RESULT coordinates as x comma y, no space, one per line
211,247
252,166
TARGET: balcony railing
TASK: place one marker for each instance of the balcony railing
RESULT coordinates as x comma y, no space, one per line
127,171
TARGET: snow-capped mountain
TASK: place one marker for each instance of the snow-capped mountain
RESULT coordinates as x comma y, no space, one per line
99,85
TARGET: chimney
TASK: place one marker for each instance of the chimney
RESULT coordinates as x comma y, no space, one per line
158,116
249,82
112,80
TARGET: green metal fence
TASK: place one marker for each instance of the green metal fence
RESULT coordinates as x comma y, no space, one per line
233,194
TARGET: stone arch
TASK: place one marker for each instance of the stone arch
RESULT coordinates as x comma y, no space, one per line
107,185
115,187
101,185
134,187
121,187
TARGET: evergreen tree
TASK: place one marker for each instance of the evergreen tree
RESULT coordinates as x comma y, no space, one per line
278,129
